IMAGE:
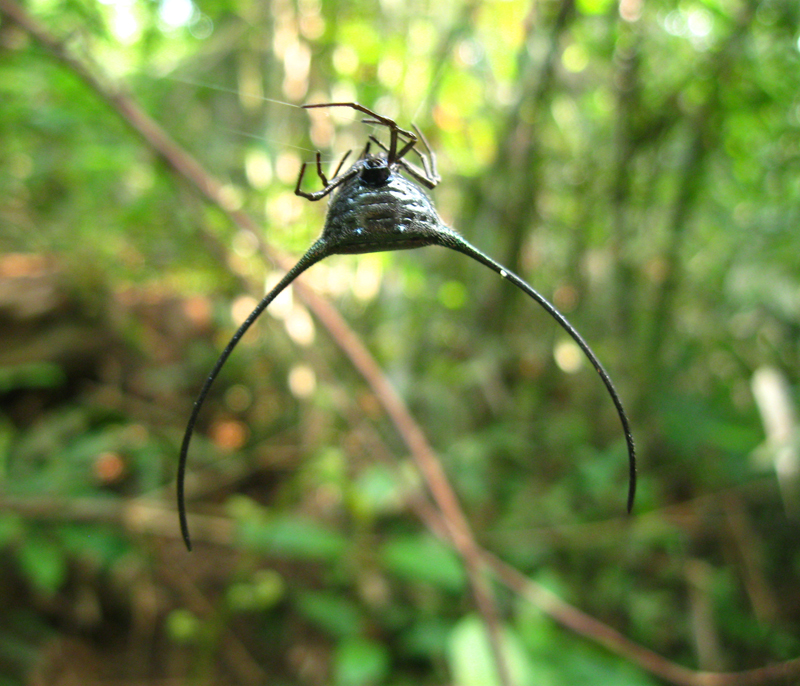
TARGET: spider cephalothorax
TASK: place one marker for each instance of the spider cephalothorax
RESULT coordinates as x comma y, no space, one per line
374,207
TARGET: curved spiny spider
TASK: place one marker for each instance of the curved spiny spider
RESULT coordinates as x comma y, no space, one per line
375,208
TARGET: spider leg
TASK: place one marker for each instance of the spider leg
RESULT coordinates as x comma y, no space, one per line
341,163
416,173
427,176
419,175
378,119
297,190
318,251
404,150
429,162
320,173
397,155
305,194
330,186
450,239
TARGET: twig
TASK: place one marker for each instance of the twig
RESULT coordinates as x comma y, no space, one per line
587,626
457,527
596,631
748,548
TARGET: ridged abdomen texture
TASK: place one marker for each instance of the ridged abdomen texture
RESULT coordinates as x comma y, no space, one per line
393,216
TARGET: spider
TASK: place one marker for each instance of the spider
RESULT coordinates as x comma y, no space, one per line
375,208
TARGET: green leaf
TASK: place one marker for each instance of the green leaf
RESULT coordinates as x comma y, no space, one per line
593,6
43,563
102,546
359,662
31,375
422,558
472,662
183,626
376,491
559,657
265,590
291,537
427,638
331,612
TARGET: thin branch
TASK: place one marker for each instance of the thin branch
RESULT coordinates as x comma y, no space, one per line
596,631
455,522
587,626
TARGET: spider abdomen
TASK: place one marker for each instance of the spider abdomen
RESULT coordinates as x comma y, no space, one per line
395,215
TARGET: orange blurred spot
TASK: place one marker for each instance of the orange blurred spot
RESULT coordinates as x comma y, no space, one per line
198,311
109,467
369,405
447,118
15,265
229,434
565,298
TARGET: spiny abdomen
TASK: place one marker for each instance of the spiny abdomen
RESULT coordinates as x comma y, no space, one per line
396,215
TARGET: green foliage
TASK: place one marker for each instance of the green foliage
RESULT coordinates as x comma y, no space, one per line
359,662
292,537
337,615
471,659
635,161
43,563
421,558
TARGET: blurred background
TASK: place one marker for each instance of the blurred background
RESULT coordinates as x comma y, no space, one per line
638,162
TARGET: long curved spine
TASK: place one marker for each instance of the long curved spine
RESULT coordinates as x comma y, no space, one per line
318,251
450,239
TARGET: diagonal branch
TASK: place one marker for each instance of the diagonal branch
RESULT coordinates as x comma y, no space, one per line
594,630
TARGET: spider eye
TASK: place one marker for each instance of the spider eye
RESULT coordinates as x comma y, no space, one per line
375,171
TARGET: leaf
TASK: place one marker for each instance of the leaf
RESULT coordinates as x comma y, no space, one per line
359,661
331,612
422,558
427,638
43,563
183,626
568,659
377,491
291,537
472,661
101,546
31,375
